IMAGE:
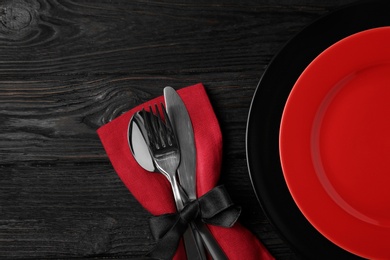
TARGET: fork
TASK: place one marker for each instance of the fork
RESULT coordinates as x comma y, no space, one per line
164,148
165,152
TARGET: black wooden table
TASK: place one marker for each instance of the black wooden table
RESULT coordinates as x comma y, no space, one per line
68,67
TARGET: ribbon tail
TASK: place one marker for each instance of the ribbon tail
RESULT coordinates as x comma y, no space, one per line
160,225
167,244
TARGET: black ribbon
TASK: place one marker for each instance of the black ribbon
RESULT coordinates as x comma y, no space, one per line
215,208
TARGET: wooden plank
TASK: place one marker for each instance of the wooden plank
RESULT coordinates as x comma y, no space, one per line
143,37
68,67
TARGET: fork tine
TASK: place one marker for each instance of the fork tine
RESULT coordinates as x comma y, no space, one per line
162,132
146,122
169,130
151,128
155,127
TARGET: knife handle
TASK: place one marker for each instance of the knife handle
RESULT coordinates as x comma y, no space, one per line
209,242
194,249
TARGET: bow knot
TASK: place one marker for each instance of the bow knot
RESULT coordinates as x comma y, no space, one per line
190,211
215,208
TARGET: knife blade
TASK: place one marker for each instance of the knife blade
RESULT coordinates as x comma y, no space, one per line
180,119
182,125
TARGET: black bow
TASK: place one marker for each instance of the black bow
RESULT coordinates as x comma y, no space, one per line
215,208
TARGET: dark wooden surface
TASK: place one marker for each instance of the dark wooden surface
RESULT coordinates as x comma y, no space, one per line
68,67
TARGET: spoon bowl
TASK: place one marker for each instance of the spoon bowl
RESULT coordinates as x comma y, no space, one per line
137,143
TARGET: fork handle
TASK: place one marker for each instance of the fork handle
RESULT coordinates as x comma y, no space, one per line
177,193
194,250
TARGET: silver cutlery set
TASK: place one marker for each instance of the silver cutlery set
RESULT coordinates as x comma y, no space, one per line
163,141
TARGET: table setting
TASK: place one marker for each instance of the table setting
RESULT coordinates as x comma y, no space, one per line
194,130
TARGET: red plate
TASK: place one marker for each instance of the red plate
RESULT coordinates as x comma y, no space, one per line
335,143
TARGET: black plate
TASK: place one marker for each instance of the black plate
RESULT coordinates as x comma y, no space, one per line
262,138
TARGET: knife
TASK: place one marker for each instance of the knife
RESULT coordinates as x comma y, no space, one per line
182,126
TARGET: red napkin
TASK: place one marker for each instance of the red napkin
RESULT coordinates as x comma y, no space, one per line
153,190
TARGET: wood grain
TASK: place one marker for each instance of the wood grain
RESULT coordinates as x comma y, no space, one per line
69,67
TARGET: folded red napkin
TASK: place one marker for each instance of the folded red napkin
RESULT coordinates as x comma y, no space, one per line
153,190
